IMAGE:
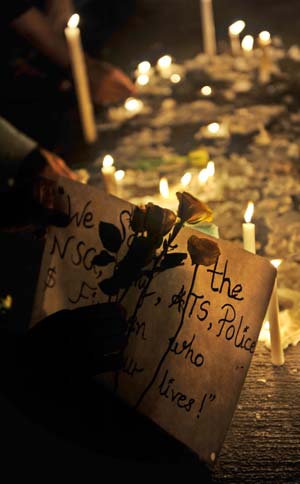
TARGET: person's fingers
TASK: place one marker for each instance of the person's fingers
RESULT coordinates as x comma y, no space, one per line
56,166
124,82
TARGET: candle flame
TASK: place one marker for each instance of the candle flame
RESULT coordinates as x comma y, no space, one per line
203,176
264,37
213,128
249,212
276,263
132,104
144,67
119,175
206,90
107,161
210,168
164,61
175,78
164,187
73,21
143,79
186,179
237,27
247,43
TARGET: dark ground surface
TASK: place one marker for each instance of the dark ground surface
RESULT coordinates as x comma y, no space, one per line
263,442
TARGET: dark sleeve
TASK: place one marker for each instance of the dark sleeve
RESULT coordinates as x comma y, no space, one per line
13,9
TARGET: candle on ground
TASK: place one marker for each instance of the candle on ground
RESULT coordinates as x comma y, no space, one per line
119,177
186,179
164,66
247,45
249,229
206,90
108,174
277,355
133,105
208,28
234,31
265,66
164,188
78,66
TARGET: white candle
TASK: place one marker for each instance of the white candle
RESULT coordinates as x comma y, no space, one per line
277,355
249,229
144,67
247,45
234,31
108,174
203,176
186,179
133,105
206,90
119,177
265,66
164,188
164,66
208,28
78,66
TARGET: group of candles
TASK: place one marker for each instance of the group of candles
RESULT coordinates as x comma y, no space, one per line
234,31
272,316
164,66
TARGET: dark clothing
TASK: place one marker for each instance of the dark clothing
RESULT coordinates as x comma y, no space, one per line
12,10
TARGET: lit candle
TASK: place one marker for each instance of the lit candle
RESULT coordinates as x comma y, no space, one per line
143,79
206,90
277,355
247,45
78,65
144,67
119,177
249,229
133,105
186,179
175,78
108,173
210,168
208,28
265,67
203,176
234,31
213,128
164,188
164,66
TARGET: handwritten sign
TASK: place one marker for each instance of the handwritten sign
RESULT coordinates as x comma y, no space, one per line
194,314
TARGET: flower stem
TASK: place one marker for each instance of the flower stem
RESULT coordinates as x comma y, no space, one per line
171,341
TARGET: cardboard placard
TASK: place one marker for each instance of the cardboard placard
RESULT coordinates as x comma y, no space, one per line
193,327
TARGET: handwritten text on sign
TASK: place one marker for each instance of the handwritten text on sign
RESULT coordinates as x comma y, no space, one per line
193,319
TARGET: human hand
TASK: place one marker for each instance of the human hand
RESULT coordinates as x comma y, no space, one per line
108,83
82,342
55,166
29,207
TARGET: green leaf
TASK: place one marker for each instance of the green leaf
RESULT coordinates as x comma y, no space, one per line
110,236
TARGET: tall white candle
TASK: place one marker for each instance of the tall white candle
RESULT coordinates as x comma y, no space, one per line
78,65
208,28
234,31
277,355
249,229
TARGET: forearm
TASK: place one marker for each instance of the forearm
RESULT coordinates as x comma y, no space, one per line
36,28
14,147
